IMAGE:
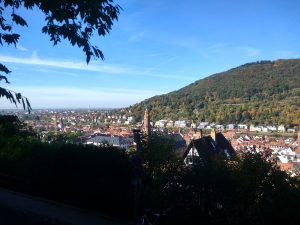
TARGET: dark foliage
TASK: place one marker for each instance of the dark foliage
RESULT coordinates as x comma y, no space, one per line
11,126
248,191
85,176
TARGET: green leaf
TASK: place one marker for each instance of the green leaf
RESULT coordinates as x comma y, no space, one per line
19,20
4,69
88,58
11,38
4,78
28,105
23,103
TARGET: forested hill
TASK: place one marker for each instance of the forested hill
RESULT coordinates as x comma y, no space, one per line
265,92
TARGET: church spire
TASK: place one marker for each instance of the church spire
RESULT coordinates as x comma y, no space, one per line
147,126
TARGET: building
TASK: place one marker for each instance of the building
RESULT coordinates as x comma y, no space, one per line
203,125
219,127
297,154
170,123
252,128
272,128
206,147
281,128
230,126
180,124
291,130
115,141
147,125
242,126
160,123
179,142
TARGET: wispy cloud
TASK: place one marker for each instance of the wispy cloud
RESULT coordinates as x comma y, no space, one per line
163,62
93,66
184,42
137,37
217,48
155,55
226,49
51,71
248,51
188,43
21,48
35,60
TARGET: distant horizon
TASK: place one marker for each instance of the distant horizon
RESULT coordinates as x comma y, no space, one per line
38,109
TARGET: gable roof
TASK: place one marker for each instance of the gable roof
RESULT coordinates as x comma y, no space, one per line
178,140
224,144
207,147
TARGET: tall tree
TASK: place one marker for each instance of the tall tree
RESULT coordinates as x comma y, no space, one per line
74,20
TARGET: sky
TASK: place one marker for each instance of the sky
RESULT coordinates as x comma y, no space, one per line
154,48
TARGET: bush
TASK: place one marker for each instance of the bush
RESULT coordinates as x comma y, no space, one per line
86,176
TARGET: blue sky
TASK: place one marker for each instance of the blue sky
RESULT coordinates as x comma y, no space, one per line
156,47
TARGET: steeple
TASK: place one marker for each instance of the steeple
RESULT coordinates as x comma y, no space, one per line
147,126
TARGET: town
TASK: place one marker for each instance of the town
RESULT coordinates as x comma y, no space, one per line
111,127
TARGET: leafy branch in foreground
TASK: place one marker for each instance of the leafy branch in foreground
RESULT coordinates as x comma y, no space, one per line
75,21
15,98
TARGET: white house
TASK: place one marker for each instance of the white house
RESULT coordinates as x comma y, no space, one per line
242,126
180,124
230,126
291,130
264,129
272,128
170,123
281,128
202,125
160,123
219,127
252,128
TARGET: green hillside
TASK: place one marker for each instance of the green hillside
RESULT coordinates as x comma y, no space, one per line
265,92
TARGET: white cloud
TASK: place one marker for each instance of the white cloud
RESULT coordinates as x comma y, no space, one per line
35,60
21,48
48,71
218,48
93,66
225,49
137,37
248,51
184,42
34,55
